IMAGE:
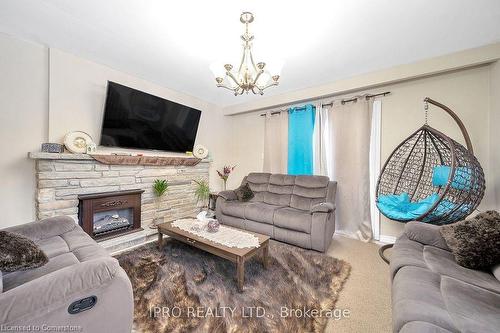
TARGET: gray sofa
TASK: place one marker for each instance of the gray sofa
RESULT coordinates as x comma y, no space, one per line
78,268
298,210
431,293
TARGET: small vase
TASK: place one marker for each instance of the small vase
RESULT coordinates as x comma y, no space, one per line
213,226
225,184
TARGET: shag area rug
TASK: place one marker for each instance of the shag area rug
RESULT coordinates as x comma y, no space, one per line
183,289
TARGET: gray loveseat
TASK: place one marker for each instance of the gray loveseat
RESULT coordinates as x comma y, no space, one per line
299,210
78,268
431,293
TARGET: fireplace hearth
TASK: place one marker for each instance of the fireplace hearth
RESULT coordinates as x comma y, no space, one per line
109,214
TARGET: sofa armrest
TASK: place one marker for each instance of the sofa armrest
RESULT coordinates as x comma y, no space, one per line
228,195
427,234
46,228
323,207
57,289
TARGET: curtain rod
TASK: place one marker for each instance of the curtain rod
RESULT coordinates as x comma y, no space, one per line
343,101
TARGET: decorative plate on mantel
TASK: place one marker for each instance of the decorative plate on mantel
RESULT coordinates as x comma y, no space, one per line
77,141
200,151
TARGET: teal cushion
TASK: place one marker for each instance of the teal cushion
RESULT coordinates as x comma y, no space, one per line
444,207
461,180
399,207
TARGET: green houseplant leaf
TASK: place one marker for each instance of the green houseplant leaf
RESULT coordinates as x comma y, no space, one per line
202,192
160,187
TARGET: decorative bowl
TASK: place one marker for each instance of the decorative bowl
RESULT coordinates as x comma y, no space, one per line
213,226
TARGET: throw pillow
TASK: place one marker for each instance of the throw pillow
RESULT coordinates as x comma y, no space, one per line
475,242
496,271
19,253
244,193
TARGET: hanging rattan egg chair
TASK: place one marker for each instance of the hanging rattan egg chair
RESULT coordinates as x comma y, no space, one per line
430,177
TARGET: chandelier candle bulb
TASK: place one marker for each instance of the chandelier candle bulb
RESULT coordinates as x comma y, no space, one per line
249,76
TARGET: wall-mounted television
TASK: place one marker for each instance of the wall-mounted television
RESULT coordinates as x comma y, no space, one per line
135,119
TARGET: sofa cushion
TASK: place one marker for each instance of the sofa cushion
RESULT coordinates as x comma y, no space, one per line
292,237
56,290
420,327
18,252
234,208
312,181
77,238
258,227
323,207
276,199
53,246
228,195
432,293
282,180
260,212
304,203
258,183
426,234
293,219
90,252
15,279
475,242
258,177
72,246
406,253
472,309
46,228
233,221
416,296
443,263
258,196
279,190
309,191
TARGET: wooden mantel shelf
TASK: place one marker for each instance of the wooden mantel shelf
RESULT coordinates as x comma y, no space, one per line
70,156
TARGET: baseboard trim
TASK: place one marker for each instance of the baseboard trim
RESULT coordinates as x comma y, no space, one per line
383,239
387,239
346,234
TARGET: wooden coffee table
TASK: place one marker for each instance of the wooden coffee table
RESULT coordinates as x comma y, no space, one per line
236,255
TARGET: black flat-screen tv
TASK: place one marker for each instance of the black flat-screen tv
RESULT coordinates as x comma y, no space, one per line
135,119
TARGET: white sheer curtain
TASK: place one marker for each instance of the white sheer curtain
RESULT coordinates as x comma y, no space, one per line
345,131
321,141
375,165
276,143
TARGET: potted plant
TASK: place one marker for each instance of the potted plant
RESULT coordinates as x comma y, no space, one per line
202,192
224,174
160,187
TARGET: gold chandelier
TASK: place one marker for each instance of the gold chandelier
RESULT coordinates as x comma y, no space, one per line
249,76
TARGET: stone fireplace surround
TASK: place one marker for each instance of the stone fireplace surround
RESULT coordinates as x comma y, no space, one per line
60,178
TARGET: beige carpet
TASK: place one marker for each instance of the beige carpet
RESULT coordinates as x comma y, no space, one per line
367,292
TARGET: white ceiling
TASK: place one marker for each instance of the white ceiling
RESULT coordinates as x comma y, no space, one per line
173,43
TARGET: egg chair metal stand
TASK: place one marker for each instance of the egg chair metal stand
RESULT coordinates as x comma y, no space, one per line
413,169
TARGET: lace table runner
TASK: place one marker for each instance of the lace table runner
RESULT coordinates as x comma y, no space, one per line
225,236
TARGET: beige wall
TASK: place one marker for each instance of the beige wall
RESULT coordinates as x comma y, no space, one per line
466,92
495,132
23,124
247,139
424,68
78,92
32,113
